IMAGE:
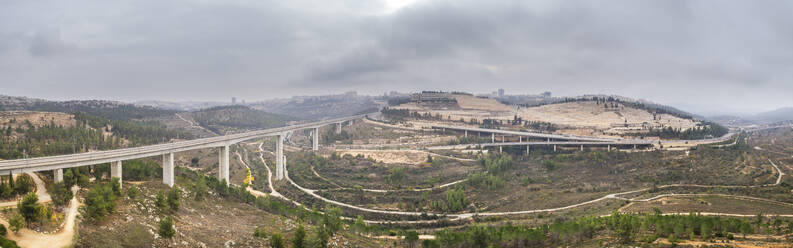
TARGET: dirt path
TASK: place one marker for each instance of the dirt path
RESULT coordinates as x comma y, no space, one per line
195,125
41,190
470,215
388,190
250,172
63,238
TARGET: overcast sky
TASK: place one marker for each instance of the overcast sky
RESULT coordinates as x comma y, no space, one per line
702,55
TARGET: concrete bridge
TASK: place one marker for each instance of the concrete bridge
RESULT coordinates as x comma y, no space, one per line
607,144
167,150
494,132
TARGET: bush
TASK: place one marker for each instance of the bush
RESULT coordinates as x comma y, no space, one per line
100,201
16,222
300,237
159,201
29,207
3,230
166,228
276,241
133,192
173,199
61,195
23,185
115,186
430,243
259,232
5,243
411,237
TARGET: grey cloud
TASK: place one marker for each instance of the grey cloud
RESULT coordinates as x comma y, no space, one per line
211,50
45,43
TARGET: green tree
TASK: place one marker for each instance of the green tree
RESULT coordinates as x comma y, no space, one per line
23,185
166,229
6,191
29,207
173,198
359,225
479,237
705,230
159,201
276,241
320,238
68,178
133,192
115,185
16,222
745,229
411,237
332,219
430,243
60,194
200,188
300,236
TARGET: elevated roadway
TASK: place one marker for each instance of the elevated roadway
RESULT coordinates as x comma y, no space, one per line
166,150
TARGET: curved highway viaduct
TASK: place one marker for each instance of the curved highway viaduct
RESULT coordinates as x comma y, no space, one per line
167,150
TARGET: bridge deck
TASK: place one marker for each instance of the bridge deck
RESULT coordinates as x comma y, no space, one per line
98,157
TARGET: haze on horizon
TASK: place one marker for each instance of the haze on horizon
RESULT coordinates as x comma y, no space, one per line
730,57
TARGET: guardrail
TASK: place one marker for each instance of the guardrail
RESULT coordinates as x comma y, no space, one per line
80,159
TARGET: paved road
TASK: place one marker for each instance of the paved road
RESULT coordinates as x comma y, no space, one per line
524,134
98,157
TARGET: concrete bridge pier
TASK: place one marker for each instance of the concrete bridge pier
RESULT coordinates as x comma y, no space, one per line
520,138
466,133
554,148
315,138
223,170
500,149
608,147
527,151
502,138
582,148
492,138
58,175
115,170
338,128
167,169
279,157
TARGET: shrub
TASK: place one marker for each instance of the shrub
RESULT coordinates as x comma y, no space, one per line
23,185
16,222
159,201
29,207
166,228
3,230
173,199
300,237
259,232
61,195
100,201
276,241
133,192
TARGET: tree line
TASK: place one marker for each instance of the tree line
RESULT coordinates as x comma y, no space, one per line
632,229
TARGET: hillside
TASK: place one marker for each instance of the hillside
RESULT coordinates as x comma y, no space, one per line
101,108
34,134
583,115
224,119
319,107
782,114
